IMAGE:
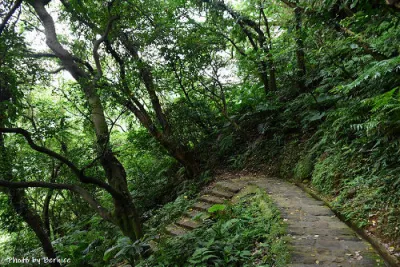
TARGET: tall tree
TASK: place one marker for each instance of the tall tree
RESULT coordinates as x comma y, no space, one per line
120,38
259,39
125,214
17,196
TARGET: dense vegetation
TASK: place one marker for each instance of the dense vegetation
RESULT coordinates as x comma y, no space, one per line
249,232
114,114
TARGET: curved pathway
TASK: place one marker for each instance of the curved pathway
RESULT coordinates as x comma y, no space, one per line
316,236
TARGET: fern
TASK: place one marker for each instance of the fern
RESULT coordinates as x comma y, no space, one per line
377,70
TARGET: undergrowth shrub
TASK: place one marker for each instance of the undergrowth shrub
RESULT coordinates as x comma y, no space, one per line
327,173
122,249
303,168
358,160
249,232
169,212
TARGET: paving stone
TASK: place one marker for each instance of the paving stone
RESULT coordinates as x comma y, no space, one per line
355,246
220,193
302,265
312,224
343,232
240,182
326,243
232,187
305,258
352,237
212,199
303,242
201,206
323,251
315,230
339,259
175,230
187,223
191,213
317,210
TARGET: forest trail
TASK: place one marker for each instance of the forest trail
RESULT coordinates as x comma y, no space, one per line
316,236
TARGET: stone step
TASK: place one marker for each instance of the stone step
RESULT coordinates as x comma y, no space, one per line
175,230
220,193
191,213
301,231
212,199
231,187
187,223
201,206
243,182
196,215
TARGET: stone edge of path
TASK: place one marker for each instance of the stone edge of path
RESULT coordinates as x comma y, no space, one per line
374,241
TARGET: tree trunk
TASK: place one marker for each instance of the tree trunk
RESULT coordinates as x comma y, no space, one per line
125,213
301,65
179,151
270,60
21,205
272,73
46,204
262,73
46,211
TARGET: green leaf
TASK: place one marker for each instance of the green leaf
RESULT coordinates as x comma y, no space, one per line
216,208
229,224
108,253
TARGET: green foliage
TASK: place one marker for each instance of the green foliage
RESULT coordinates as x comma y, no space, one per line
125,249
249,233
327,173
358,160
378,74
216,208
5,249
169,212
84,241
341,130
303,168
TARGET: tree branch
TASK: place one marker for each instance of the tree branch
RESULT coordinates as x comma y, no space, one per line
133,104
97,44
81,176
53,43
148,81
243,21
106,215
240,51
9,15
50,55
59,69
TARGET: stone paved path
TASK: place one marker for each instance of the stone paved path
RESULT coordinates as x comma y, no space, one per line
316,236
